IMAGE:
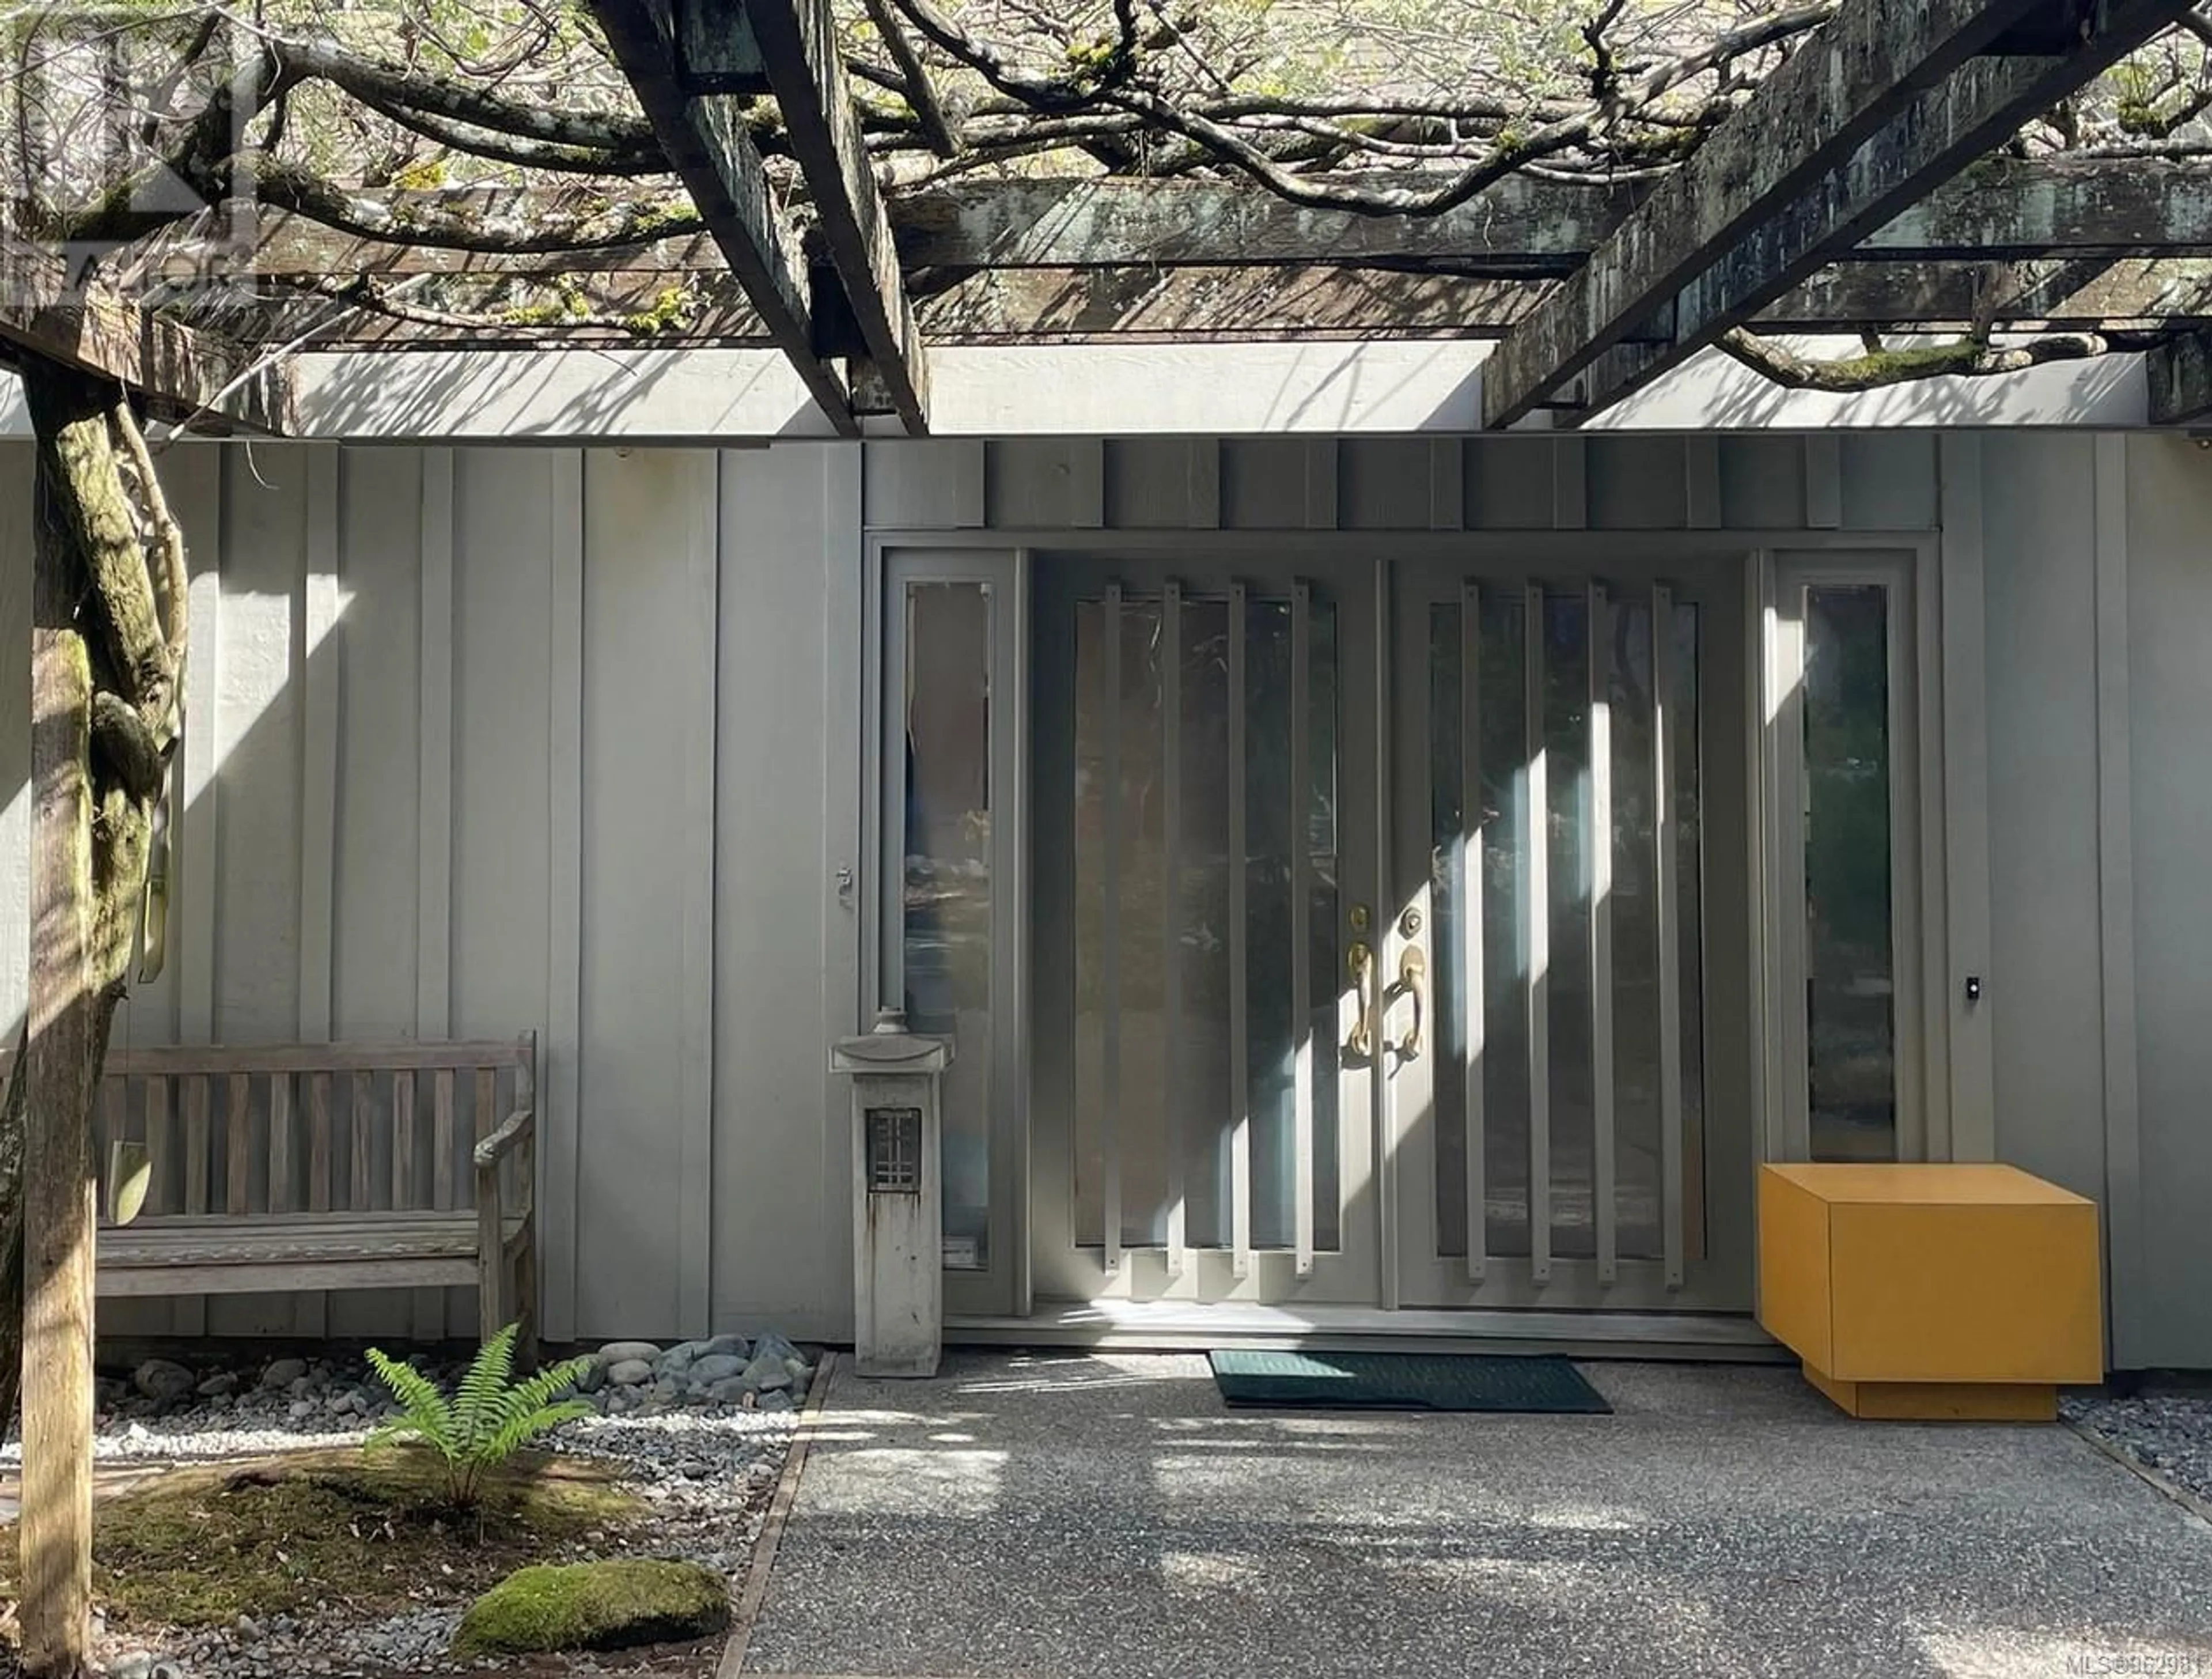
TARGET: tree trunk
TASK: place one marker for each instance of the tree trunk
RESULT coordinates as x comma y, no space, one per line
67,1019
106,668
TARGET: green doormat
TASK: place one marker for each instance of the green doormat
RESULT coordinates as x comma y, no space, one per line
1404,1382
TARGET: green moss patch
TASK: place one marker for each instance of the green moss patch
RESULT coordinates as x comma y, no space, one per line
613,1605
201,1547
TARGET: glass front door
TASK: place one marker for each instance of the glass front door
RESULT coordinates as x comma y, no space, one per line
1392,935
1567,1083
1203,1103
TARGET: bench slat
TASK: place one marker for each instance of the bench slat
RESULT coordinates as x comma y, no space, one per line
358,1194
222,1060
238,1139
442,1141
221,1241
197,1143
318,1143
158,1149
487,1113
403,1141
280,1142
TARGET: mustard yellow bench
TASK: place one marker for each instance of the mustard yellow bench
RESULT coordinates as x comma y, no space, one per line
1931,1291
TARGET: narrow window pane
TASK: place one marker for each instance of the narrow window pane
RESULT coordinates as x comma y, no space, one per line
949,867
1851,981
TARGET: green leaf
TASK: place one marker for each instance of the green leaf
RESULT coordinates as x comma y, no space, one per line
490,1417
476,1405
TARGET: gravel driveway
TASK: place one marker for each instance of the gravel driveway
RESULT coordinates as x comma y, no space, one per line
1042,1514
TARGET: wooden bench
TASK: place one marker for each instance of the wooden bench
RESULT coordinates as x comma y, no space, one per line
328,1166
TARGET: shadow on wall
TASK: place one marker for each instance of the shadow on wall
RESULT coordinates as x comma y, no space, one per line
1713,390
514,395
295,826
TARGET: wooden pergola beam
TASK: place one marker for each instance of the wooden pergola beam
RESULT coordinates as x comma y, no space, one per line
2002,210
712,154
2135,295
1939,133
1520,226
1033,305
2179,374
184,372
797,44
1878,65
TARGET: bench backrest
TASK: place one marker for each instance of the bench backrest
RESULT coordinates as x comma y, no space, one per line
312,1128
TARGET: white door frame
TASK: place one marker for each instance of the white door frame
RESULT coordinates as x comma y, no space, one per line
1004,1285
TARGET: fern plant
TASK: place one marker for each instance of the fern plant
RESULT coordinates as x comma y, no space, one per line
489,1417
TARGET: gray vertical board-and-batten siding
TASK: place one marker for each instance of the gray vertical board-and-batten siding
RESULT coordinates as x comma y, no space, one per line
492,739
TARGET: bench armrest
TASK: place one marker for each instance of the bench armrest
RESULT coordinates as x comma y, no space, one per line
515,1129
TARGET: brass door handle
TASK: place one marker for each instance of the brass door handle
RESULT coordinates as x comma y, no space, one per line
1412,969
1360,960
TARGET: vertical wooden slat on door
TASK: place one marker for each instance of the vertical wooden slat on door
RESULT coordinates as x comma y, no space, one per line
1301,884
1172,912
1109,937
1240,1071
1667,913
1597,634
1538,891
1473,1018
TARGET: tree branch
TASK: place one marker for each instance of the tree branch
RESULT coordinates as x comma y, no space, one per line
417,223
521,153
1559,134
672,311
381,85
168,538
126,628
125,746
921,93
1967,358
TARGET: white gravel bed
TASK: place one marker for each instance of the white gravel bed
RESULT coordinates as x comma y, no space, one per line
2166,1430
704,1454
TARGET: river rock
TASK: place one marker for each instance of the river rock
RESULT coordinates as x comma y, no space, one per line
774,1346
163,1380
766,1374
